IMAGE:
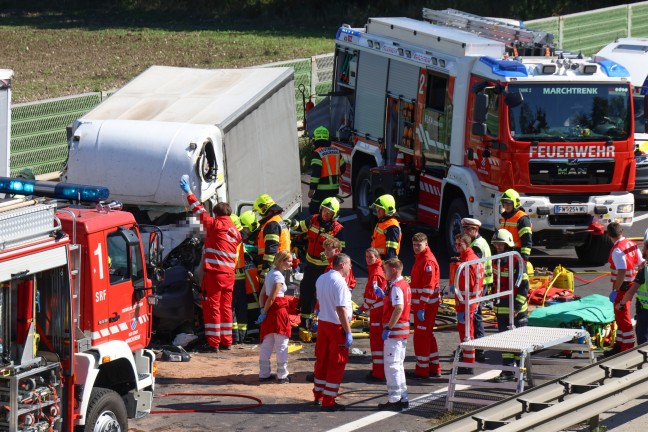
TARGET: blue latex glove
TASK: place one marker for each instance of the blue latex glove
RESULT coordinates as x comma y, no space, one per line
314,327
452,289
461,317
385,334
316,312
613,295
261,318
349,340
379,292
421,314
184,184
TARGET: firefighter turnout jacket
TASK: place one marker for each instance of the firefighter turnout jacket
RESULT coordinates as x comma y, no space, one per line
327,165
317,231
274,237
386,238
501,273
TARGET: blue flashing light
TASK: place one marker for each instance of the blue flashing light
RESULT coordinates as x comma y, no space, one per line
58,190
613,69
346,31
505,68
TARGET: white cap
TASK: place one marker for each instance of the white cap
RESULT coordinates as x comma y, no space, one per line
470,222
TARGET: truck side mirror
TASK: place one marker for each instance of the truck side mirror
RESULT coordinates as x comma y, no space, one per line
155,248
514,99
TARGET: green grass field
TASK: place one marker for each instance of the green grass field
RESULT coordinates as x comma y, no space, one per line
54,55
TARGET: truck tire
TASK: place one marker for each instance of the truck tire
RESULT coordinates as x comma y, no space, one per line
363,197
106,412
456,211
595,250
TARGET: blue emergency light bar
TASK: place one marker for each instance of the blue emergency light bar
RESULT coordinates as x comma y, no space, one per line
50,189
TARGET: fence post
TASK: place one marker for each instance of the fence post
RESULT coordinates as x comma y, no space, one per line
313,80
629,18
561,25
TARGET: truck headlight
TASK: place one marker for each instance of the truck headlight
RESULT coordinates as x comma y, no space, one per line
625,208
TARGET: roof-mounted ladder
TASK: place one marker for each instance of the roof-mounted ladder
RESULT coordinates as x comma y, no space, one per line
517,38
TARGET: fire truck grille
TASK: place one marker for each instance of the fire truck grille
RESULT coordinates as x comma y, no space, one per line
571,172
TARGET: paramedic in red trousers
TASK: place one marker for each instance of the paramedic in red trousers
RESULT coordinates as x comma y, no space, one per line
318,228
396,327
638,287
387,234
327,165
515,220
474,280
221,242
372,303
624,259
334,336
425,305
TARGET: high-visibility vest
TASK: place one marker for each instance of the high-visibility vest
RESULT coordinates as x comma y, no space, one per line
631,257
316,236
379,238
511,225
239,271
284,237
642,292
483,246
331,161
402,327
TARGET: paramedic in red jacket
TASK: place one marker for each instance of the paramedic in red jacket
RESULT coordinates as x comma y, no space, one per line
475,277
219,260
374,304
425,305
625,257
396,327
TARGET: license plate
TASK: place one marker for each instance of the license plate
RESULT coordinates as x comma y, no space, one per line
570,209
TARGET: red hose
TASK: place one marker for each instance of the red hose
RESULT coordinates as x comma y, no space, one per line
212,410
588,281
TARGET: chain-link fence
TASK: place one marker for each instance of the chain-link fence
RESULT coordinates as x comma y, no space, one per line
38,129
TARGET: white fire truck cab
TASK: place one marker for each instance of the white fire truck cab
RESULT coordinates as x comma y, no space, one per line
74,315
448,112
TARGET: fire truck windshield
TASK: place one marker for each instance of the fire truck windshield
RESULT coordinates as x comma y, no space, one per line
571,112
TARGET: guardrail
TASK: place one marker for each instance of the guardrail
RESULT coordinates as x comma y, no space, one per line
577,397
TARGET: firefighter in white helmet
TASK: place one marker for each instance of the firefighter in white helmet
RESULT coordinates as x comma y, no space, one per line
502,241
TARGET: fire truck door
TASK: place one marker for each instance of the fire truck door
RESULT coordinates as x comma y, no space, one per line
127,310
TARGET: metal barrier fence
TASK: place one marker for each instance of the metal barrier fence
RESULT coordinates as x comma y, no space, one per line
38,137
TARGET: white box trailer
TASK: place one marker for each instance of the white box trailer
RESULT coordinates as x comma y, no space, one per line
232,130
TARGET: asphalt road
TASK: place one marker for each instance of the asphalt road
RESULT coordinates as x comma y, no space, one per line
286,414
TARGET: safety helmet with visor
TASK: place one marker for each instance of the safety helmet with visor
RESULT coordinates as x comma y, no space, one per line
263,203
248,219
387,203
513,196
331,204
236,221
503,236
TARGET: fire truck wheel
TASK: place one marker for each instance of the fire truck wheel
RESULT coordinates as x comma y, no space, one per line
363,198
595,251
456,211
106,412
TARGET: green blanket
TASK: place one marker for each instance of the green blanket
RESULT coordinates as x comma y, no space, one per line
594,309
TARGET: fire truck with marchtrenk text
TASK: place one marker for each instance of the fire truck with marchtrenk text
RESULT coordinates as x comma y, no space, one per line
75,317
448,112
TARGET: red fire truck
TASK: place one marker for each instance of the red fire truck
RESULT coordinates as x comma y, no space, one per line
74,312
448,112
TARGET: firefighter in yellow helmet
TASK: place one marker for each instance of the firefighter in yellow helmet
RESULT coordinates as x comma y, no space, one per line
387,234
273,235
318,227
515,220
327,165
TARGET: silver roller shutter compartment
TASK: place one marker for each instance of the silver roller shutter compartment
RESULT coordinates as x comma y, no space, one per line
370,95
403,80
